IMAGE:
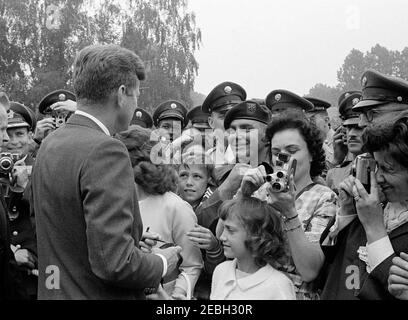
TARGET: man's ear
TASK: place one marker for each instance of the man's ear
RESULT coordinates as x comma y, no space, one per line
121,96
211,121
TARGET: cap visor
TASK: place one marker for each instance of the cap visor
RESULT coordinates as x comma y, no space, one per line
18,125
351,121
366,103
201,125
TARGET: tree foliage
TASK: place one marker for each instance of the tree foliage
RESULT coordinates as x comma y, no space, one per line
39,40
378,58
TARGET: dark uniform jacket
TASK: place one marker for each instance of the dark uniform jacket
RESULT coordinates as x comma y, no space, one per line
343,266
11,286
88,220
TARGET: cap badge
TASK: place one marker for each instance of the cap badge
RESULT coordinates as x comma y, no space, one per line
278,97
251,107
173,106
227,89
10,114
138,114
364,81
346,95
355,101
399,98
62,97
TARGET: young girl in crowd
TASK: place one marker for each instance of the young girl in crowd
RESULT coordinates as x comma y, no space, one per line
254,239
162,210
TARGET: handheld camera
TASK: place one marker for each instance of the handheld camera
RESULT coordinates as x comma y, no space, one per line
7,161
362,167
284,168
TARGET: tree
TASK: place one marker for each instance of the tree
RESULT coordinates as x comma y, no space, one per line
379,58
39,40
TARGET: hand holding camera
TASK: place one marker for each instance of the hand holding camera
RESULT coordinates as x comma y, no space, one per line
253,179
340,148
43,127
281,188
367,199
284,168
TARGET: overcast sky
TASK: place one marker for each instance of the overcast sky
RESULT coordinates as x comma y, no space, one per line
293,44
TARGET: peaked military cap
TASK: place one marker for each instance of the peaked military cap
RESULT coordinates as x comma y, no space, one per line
344,95
378,88
318,105
20,116
349,116
284,99
142,118
170,109
198,118
53,97
250,110
223,97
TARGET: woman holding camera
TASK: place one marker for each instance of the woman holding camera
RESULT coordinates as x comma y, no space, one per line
367,236
306,207
163,211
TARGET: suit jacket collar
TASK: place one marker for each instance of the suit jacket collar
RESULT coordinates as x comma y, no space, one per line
79,120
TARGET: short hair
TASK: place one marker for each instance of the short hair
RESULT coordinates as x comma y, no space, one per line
201,159
390,137
266,239
153,178
101,69
310,133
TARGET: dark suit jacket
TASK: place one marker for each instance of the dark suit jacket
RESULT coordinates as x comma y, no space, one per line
87,215
336,272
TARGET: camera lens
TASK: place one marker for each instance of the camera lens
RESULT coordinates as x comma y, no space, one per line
268,178
280,174
5,164
276,186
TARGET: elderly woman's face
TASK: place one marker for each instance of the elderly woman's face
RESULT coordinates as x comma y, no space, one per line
290,141
391,177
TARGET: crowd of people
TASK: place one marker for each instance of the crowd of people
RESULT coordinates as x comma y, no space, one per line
237,198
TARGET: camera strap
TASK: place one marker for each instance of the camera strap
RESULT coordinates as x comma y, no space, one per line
307,188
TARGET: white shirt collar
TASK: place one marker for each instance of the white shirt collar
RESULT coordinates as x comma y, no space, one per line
99,123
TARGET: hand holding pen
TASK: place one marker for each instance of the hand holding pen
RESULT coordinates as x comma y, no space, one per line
150,239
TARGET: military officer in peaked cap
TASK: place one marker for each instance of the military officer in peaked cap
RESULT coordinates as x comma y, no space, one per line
56,107
247,122
21,123
320,117
198,118
142,118
218,102
282,101
171,116
353,140
340,150
20,128
384,98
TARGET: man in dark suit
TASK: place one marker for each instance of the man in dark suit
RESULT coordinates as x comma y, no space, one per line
87,214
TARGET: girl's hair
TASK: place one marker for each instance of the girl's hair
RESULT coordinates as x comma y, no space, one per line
154,179
266,239
390,137
310,133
